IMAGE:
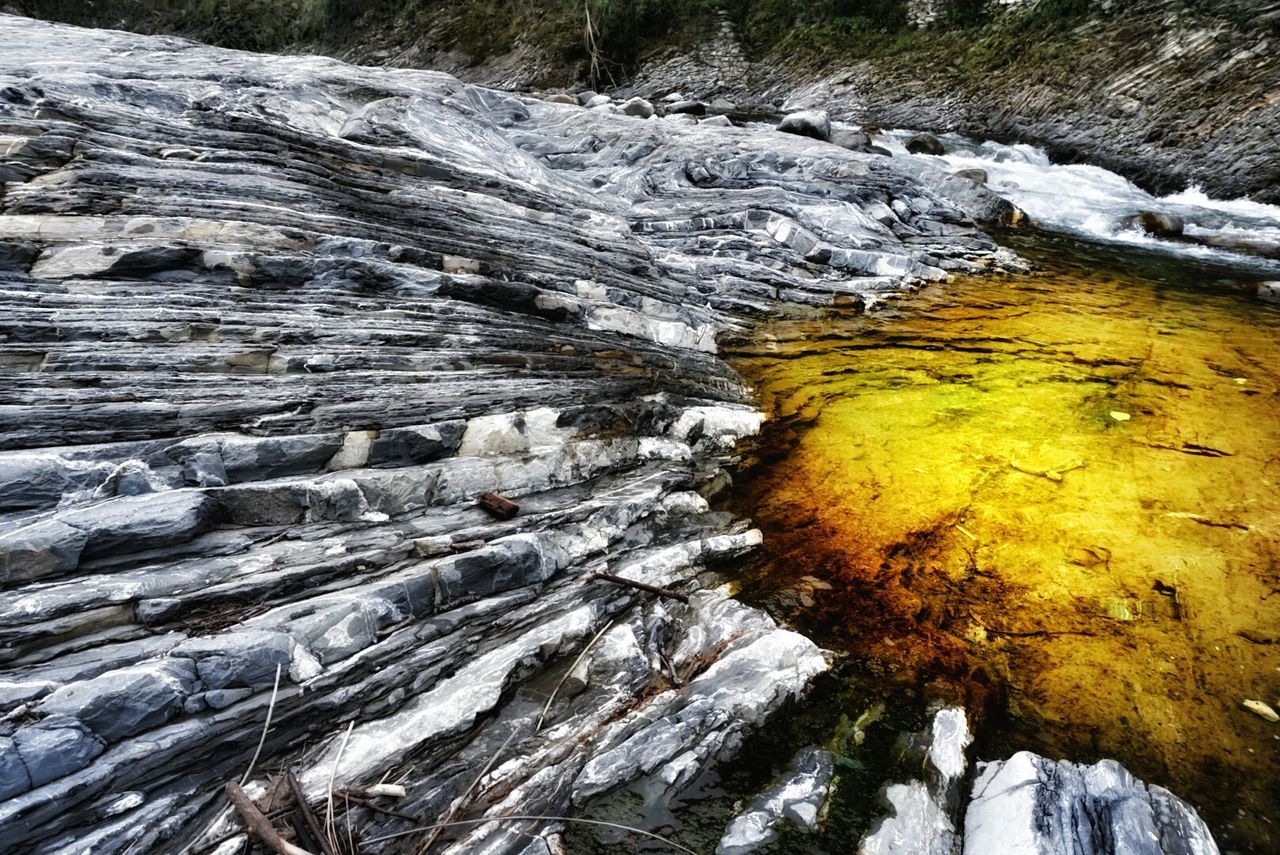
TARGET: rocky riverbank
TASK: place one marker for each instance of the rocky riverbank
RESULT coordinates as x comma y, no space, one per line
274,324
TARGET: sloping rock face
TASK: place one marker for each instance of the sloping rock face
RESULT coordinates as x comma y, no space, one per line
272,325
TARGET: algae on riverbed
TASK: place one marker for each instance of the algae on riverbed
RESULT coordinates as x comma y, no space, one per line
1054,497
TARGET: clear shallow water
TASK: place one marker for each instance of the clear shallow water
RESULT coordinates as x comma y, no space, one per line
1055,498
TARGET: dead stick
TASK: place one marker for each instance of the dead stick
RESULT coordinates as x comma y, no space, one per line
640,586
258,825
308,815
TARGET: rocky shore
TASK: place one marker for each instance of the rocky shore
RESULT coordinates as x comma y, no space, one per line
273,325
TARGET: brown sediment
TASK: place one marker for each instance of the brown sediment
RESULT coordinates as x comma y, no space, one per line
952,494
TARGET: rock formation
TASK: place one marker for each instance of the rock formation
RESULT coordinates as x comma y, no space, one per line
272,326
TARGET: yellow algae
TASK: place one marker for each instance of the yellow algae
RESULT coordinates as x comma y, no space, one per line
1050,495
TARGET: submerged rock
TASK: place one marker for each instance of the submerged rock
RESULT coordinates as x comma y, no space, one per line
798,799
1154,223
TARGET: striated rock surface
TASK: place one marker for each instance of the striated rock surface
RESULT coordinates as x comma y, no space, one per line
1028,804
272,325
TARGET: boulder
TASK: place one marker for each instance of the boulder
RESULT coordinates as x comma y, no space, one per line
925,144
978,175
598,101
1154,223
1269,291
40,550
585,96
638,107
722,105
692,108
807,123
852,140
561,98
717,122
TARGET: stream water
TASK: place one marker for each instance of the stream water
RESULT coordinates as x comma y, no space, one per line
1052,497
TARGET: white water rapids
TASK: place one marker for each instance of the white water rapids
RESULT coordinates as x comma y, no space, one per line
1092,202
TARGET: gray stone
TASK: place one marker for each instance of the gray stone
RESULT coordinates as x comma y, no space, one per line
41,480
1269,291
241,659
410,446
40,550
204,469
716,122
597,101
134,523
638,107
978,175
850,139
126,701
13,772
561,98
55,746
219,699
722,105
585,96
807,123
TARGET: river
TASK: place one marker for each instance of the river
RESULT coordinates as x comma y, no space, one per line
1051,497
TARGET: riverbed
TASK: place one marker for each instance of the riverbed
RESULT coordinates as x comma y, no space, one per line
1051,497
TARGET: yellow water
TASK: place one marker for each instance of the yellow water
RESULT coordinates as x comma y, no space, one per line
1055,497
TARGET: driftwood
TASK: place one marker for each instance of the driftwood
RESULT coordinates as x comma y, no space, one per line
258,825
500,506
639,586
308,816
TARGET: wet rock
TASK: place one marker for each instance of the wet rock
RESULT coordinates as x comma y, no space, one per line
978,175
717,122
1154,223
1262,710
798,798
561,98
852,140
42,549
1031,805
1269,291
925,144
41,480
807,123
586,95
722,106
597,101
924,814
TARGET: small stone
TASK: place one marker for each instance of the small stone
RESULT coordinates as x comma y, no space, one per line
598,101
1269,291
1118,416
1261,709
561,98
717,122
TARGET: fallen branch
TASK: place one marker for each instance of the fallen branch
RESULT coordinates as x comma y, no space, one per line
639,586
535,818
258,825
308,816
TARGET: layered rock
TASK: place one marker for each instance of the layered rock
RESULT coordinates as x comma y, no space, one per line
272,326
